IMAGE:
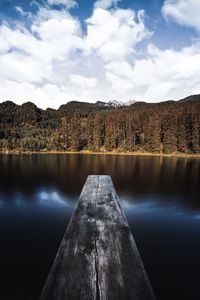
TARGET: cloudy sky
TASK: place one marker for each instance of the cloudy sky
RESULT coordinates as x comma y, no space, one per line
54,51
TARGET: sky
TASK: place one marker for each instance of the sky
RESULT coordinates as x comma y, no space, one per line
55,51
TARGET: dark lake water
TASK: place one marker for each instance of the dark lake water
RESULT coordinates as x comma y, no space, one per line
160,196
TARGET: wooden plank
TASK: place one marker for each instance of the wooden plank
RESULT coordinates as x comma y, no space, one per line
98,258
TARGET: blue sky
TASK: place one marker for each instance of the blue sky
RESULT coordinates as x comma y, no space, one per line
54,51
166,34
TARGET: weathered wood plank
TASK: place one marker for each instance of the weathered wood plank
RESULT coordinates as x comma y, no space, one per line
98,258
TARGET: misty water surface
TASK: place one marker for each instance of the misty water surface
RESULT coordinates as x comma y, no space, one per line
160,196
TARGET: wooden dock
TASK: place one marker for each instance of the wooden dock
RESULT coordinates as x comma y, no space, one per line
98,258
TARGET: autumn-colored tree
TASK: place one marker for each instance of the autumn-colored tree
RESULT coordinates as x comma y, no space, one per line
169,127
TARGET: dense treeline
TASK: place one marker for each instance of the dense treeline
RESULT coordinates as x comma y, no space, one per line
168,127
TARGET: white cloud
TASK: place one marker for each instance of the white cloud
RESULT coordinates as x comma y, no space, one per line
54,61
83,81
54,25
22,12
43,96
58,36
120,74
168,73
20,40
66,3
4,44
115,33
161,75
120,85
22,68
59,32
184,12
120,68
106,3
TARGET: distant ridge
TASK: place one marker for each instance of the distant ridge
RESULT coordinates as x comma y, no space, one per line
101,104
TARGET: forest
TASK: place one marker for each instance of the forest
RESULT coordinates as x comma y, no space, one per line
165,127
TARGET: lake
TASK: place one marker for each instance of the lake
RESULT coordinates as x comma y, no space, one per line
160,197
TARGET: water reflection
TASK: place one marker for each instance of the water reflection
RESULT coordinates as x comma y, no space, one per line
161,211
52,197
41,197
133,176
160,196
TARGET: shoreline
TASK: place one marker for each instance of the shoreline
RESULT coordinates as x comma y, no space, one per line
88,152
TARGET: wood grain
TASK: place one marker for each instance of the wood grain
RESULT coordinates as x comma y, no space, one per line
98,258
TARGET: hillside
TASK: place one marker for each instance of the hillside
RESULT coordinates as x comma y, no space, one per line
168,127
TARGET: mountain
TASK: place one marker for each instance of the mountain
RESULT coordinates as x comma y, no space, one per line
168,127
